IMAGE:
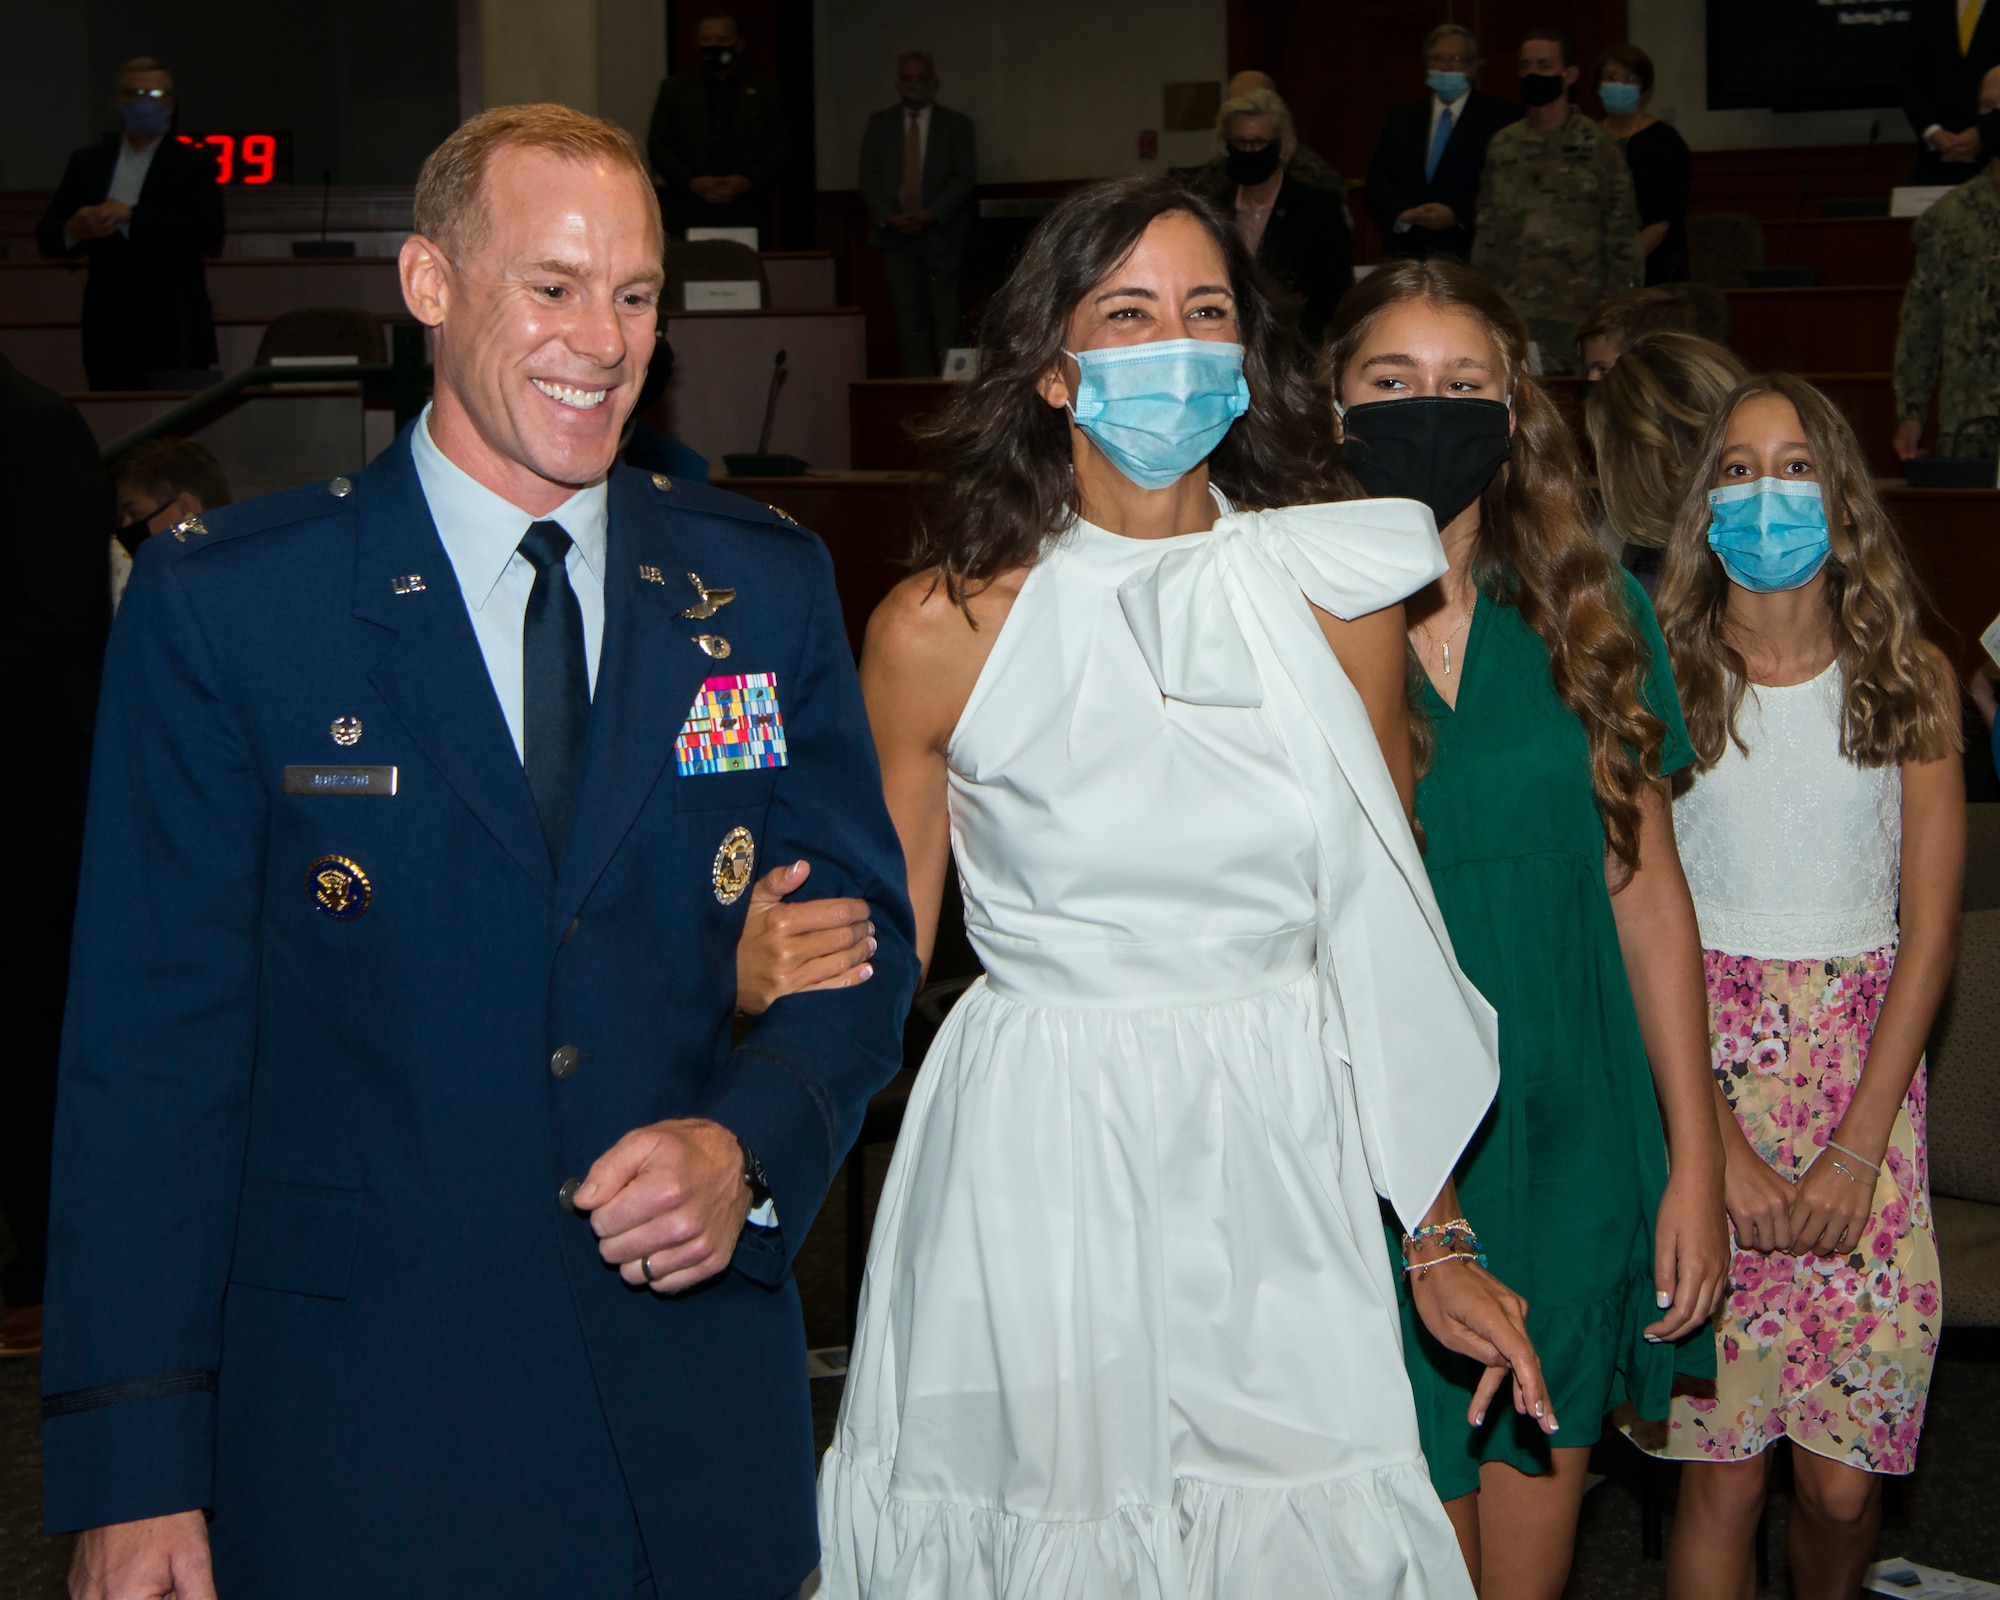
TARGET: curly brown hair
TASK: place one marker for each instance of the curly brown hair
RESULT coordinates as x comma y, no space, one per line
1005,476
1535,549
1899,695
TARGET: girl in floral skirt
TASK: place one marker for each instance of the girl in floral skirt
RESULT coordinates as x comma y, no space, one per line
1828,796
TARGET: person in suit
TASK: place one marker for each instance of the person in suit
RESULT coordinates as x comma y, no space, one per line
918,168
1423,180
1953,44
398,1062
143,209
55,527
1297,232
717,138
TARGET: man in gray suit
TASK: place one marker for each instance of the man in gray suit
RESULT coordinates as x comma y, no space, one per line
917,173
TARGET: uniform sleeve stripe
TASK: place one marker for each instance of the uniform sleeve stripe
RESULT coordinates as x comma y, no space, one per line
158,1387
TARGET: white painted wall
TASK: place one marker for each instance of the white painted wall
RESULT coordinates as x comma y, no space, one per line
1058,88
1675,34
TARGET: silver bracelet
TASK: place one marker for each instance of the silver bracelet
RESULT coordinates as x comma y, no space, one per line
1874,1167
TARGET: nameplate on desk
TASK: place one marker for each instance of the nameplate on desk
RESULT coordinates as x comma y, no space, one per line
746,295
747,237
340,780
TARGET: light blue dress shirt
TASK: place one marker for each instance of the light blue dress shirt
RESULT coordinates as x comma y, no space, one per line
481,532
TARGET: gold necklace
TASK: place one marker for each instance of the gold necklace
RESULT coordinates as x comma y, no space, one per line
1444,648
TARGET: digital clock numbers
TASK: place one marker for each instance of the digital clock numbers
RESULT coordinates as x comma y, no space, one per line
246,159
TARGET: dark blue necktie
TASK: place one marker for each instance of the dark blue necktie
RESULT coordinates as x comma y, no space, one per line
555,684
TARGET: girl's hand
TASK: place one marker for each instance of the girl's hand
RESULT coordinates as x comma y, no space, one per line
1468,1310
1830,1209
1690,1255
1759,1201
796,949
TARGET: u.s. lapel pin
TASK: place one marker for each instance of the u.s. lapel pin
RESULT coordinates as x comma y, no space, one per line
711,601
651,575
409,583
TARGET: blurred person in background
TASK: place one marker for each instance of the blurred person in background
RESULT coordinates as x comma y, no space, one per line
1953,44
717,139
1657,156
55,518
143,209
159,485
1643,419
1558,221
1298,233
1610,330
1304,165
1423,183
918,166
1948,341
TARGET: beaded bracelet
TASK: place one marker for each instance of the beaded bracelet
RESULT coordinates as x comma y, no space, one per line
1456,1231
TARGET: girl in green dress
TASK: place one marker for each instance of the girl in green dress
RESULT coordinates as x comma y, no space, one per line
1549,839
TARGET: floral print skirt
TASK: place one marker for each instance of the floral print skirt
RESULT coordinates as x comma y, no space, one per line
1833,1352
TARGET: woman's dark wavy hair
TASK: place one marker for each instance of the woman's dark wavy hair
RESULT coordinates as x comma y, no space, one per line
1535,549
1006,483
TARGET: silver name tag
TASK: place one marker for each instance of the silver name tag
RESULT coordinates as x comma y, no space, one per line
340,780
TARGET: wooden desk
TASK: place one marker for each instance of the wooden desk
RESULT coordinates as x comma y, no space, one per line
867,519
879,412
1850,328
722,373
1953,536
1847,251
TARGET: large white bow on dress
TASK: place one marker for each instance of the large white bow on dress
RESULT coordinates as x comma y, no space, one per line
1225,621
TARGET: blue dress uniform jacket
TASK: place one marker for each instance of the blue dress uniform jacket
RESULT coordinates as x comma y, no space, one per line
310,1269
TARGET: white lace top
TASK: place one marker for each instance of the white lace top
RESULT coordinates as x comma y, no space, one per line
1793,852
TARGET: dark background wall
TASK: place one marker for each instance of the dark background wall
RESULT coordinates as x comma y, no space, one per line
366,87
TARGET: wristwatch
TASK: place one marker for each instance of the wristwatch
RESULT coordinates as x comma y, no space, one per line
754,1177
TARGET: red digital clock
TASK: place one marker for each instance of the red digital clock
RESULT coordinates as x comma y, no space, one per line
246,159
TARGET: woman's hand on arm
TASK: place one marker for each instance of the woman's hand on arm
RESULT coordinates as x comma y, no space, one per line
1468,1310
1662,947
799,948
1832,1208
1374,653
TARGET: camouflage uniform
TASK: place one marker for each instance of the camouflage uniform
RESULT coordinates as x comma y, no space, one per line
1951,318
1558,228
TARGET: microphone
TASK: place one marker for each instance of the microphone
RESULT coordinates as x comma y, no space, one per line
762,463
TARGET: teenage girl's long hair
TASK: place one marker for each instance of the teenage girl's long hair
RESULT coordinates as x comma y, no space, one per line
1535,549
1002,454
1899,696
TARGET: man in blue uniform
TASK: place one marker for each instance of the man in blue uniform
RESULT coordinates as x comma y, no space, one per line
398,1060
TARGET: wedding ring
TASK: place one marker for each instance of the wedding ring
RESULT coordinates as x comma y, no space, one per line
646,1267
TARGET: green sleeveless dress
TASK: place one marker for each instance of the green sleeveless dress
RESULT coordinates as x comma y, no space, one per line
1563,1178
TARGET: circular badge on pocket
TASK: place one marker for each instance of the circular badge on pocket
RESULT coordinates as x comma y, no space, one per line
339,888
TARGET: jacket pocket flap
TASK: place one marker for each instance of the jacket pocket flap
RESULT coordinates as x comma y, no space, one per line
295,1238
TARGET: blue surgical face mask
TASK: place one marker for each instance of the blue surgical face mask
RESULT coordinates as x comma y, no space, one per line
147,118
1620,99
1770,534
1447,86
1157,410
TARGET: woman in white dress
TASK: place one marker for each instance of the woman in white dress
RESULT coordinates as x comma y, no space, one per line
1129,1326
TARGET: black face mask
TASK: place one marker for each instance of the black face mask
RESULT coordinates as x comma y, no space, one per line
718,56
1248,168
1542,88
1439,449
1989,130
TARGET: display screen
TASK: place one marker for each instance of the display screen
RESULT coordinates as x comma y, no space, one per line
246,159
1806,55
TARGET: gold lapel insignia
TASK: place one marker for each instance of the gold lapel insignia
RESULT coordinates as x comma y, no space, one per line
346,731
734,860
193,525
711,601
651,575
713,644
411,584
341,889
780,511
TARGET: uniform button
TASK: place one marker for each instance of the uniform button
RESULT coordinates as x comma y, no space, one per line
566,1195
340,488
565,1061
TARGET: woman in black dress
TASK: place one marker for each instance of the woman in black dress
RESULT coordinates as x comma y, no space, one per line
1657,155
